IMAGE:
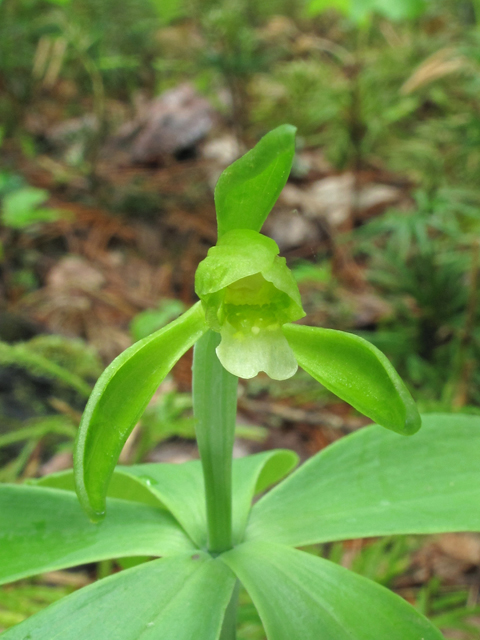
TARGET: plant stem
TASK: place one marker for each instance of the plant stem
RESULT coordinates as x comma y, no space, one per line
215,407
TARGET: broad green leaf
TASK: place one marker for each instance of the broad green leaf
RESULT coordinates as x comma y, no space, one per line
119,399
180,488
180,598
121,486
302,596
42,529
374,483
253,475
357,372
247,190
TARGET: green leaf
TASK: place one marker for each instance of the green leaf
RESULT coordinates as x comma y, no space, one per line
180,488
302,596
357,372
247,190
119,399
21,208
252,475
178,598
121,486
43,529
374,483
151,320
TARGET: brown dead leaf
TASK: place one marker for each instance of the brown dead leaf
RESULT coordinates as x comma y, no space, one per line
65,578
464,547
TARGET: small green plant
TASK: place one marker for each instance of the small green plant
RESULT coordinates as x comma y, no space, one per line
151,320
427,262
63,365
23,600
448,608
66,361
198,516
22,206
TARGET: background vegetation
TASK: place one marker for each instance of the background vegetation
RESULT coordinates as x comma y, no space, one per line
106,208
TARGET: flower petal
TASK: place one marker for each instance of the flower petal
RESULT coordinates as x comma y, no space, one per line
238,254
119,399
356,371
246,354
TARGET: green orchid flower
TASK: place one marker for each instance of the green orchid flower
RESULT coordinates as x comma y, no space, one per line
249,296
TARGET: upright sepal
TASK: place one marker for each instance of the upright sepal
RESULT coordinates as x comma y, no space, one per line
119,399
247,190
357,372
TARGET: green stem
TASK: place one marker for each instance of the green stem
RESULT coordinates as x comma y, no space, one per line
104,569
215,407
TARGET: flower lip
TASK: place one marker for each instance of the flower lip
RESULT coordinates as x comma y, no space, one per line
253,304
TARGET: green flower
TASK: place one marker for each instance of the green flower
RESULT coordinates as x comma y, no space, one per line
249,296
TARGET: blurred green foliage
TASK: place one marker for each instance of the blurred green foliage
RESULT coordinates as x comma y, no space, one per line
379,87
361,10
23,599
152,320
395,84
21,205
47,372
426,262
